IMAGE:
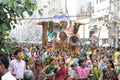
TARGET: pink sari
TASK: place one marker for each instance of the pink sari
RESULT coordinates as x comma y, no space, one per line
61,74
83,72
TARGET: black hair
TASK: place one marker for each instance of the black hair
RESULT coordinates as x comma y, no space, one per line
103,56
4,60
11,55
73,65
95,60
91,56
81,60
118,49
62,59
17,51
55,70
111,62
51,59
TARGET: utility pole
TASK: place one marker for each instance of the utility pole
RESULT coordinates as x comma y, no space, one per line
108,25
99,35
115,24
83,33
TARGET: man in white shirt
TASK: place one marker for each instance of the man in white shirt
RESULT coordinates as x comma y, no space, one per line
18,66
4,64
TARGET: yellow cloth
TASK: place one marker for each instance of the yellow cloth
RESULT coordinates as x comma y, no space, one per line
89,52
116,54
23,56
31,48
30,59
95,52
70,62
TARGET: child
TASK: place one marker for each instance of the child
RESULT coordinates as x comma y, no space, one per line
75,75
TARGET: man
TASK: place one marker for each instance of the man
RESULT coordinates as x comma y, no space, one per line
28,75
4,64
17,66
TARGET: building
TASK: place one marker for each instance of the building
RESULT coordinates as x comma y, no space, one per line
103,19
27,31
97,24
84,14
99,19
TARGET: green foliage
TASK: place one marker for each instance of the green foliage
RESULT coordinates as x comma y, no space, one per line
10,12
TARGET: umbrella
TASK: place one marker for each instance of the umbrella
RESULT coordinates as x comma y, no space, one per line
62,17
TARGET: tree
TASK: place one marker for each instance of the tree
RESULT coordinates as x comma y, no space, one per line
10,12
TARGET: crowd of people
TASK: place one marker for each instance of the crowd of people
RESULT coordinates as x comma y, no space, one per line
34,63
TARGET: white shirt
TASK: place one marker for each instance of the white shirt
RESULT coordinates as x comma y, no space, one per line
50,39
18,68
8,76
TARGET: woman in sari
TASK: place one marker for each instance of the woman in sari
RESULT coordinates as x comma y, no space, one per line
82,71
62,72
96,70
110,72
49,70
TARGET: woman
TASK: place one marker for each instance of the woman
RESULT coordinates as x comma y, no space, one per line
75,75
82,71
37,70
96,70
109,73
62,72
49,70
103,65
12,57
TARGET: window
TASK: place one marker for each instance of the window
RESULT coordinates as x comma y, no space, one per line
104,41
91,33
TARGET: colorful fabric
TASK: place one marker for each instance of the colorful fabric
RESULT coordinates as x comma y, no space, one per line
116,54
23,56
71,60
118,69
89,52
96,72
95,52
61,74
44,56
51,34
109,74
50,69
83,72
84,52
103,66
76,62
46,62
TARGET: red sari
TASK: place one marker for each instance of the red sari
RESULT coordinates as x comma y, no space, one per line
61,74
